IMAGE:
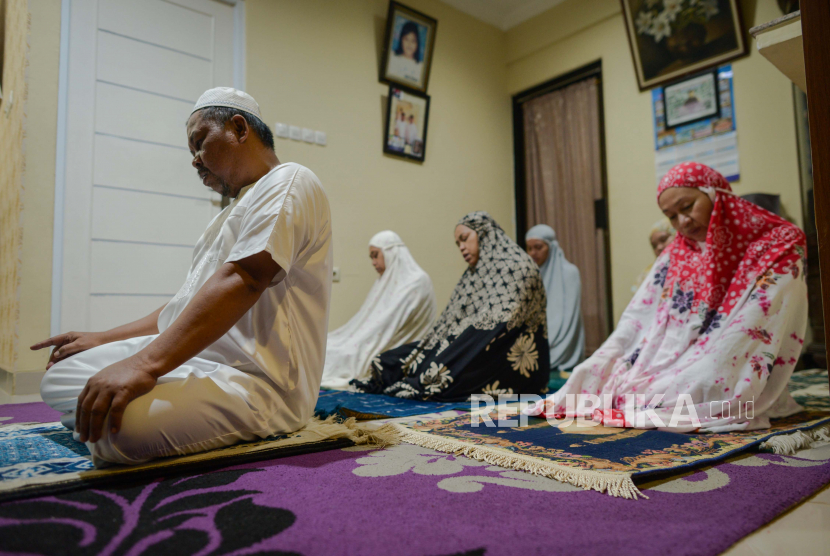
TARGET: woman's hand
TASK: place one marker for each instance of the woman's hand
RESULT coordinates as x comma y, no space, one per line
70,344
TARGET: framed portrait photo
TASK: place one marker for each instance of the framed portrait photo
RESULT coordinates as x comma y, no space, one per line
673,38
692,100
407,115
408,48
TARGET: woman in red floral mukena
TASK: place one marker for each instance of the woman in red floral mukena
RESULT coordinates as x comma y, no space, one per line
716,327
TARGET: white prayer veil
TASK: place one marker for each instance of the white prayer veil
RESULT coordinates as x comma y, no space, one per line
399,309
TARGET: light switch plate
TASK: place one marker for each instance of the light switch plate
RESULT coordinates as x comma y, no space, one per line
281,130
320,137
336,274
308,135
295,133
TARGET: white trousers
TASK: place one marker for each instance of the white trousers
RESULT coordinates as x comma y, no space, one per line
200,406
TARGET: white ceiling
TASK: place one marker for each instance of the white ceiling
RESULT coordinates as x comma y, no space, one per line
503,14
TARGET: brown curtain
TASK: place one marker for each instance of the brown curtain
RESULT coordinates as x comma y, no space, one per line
563,179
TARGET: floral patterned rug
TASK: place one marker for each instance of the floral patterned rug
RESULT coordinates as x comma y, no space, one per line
38,458
363,406
410,501
609,459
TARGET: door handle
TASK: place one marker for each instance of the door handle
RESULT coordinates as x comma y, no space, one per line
600,214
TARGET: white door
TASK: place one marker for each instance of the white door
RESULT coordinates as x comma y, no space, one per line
133,205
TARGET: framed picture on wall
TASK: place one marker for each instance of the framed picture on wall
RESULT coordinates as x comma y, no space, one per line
691,100
673,38
408,47
407,115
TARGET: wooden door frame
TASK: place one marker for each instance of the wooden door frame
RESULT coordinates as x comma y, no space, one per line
593,70
815,20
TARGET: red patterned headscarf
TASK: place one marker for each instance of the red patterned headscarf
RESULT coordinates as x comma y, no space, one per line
743,242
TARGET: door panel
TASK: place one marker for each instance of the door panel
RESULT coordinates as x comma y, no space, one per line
125,61
109,311
138,115
136,216
146,167
134,206
121,268
164,24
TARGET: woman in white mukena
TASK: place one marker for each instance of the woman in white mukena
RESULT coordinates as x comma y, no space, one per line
399,310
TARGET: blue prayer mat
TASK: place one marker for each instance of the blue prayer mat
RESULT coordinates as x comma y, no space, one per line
376,406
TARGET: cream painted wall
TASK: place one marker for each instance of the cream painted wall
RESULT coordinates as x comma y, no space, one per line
36,104
315,64
11,174
548,46
39,182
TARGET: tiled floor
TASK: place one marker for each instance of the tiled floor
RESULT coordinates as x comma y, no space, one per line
804,530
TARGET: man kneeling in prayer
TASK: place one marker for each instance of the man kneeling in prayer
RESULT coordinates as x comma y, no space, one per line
237,354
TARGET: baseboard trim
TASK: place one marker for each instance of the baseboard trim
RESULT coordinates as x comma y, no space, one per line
6,398
21,385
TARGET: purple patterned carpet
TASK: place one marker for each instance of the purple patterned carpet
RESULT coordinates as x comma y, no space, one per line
408,500
36,412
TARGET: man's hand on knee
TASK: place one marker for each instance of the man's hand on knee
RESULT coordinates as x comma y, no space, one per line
70,343
108,393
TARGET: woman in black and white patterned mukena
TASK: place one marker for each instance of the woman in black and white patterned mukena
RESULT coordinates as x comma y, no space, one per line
491,338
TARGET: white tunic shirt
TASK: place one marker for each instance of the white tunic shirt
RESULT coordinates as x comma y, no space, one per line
282,338
412,133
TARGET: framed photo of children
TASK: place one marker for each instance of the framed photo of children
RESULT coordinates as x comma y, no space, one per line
673,38
407,114
408,47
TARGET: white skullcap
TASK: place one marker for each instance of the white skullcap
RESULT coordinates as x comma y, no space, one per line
230,98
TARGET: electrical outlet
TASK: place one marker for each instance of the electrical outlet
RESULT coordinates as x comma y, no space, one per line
295,133
281,130
308,135
320,138
336,274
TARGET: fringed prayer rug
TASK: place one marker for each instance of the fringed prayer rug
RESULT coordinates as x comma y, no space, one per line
38,458
610,459
363,406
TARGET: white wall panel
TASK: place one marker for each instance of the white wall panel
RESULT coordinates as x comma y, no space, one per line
137,115
163,23
144,66
133,216
135,268
136,165
109,311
